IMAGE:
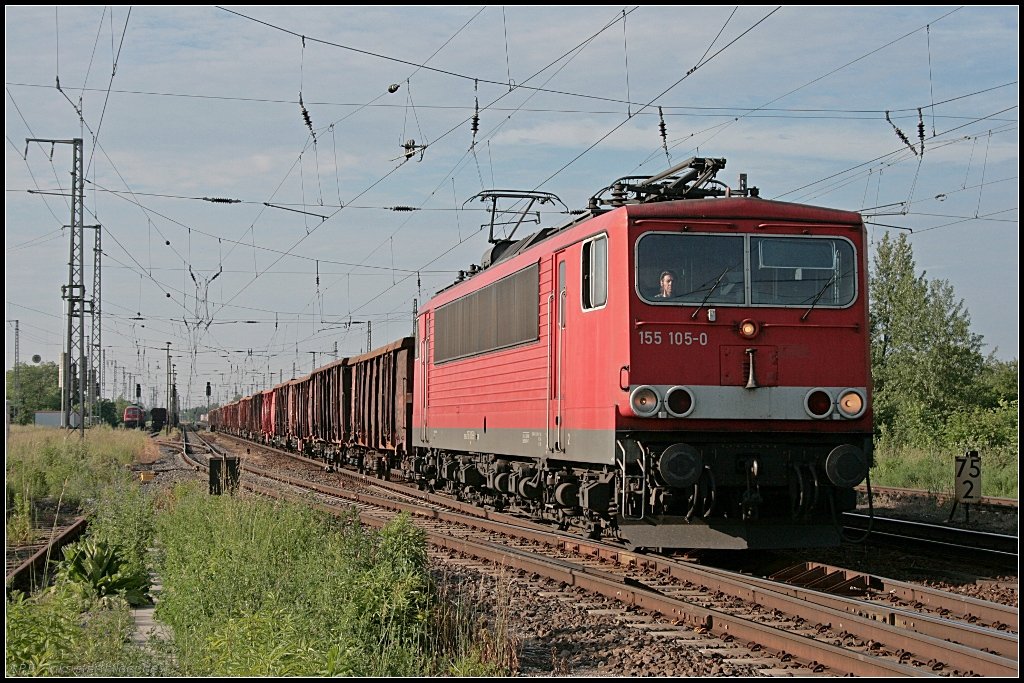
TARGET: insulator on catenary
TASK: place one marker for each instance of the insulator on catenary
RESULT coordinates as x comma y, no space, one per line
475,125
305,116
899,133
664,131
920,129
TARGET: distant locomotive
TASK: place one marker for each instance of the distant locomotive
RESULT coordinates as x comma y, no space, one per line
134,417
685,366
157,419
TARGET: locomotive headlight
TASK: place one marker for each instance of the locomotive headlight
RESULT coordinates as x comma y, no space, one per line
851,403
818,403
679,401
644,401
749,328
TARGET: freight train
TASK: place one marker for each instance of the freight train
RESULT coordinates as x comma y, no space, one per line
685,365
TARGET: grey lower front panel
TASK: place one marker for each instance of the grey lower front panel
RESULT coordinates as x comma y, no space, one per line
579,445
676,532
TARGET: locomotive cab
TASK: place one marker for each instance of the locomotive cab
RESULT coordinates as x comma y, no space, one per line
746,416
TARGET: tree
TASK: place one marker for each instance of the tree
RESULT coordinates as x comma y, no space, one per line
926,362
109,412
38,390
1000,382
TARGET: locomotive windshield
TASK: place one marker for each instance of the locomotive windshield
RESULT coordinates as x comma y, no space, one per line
673,268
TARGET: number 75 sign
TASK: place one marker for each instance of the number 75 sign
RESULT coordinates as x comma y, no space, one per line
968,477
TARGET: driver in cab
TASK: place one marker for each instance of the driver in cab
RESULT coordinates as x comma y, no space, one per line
667,280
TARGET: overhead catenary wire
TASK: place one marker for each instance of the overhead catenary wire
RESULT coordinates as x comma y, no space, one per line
689,73
419,66
427,208
670,110
452,129
876,159
836,70
24,156
252,226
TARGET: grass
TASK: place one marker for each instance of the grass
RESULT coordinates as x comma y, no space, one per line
251,588
254,588
933,469
53,463
73,628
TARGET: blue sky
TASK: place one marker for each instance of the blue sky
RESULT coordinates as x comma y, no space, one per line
204,103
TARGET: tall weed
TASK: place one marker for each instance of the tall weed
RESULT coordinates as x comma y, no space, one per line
55,633
268,589
46,463
19,522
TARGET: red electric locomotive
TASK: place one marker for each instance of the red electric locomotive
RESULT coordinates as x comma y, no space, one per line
686,366
134,417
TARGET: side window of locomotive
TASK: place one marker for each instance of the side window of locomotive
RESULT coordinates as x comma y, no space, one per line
595,273
802,271
690,269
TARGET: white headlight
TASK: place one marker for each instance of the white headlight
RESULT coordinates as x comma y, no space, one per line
645,401
851,403
679,401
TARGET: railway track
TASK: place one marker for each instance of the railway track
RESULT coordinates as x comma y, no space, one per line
26,566
940,498
861,627
1001,548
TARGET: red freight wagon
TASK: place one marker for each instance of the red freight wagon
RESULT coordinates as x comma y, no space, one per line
329,404
267,415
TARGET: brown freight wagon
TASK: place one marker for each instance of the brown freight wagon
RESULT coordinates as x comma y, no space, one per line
381,398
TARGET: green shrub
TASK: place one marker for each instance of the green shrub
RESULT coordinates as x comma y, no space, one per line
261,588
919,450
98,571
55,633
984,428
40,633
81,626
121,517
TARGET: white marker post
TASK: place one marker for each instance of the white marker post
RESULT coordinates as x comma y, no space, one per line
968,482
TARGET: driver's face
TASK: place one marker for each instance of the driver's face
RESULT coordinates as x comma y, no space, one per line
666,283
